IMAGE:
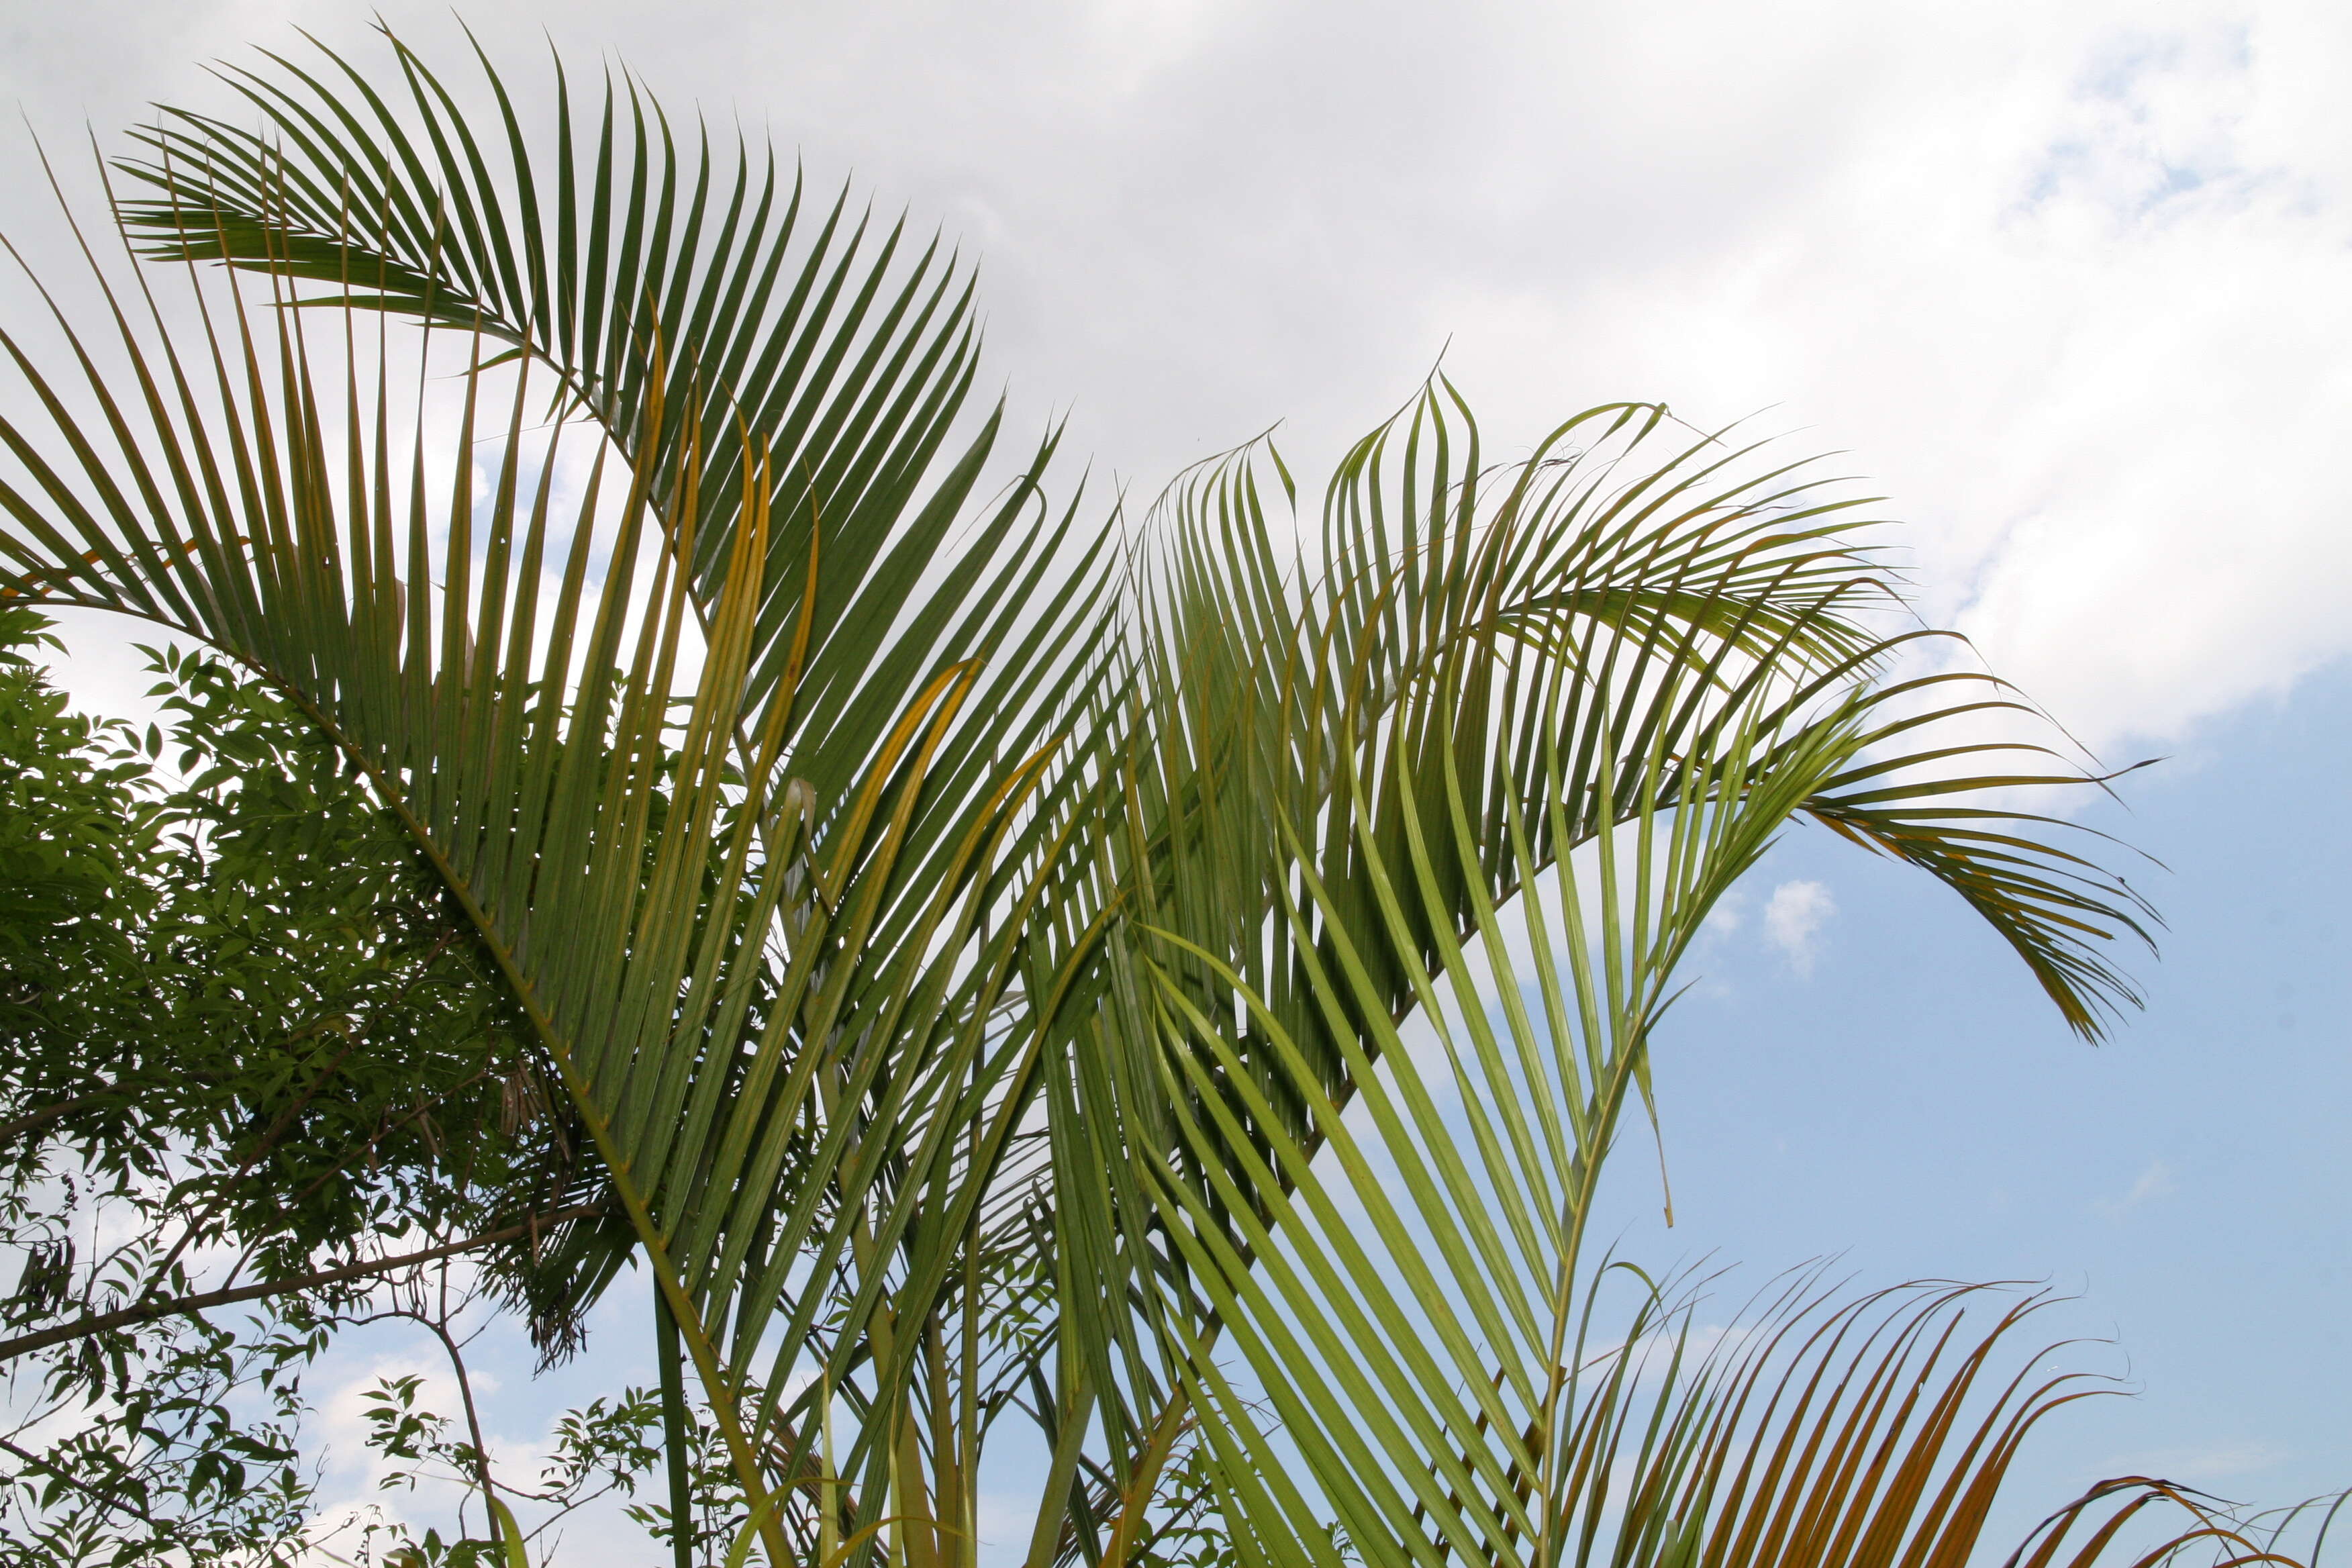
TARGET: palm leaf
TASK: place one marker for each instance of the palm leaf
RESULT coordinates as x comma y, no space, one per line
1334,776
1403,1285
756,944
706,312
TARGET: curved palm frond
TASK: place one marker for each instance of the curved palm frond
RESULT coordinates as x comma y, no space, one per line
761,886
1809,1431
709,315
1338,778
1402,1279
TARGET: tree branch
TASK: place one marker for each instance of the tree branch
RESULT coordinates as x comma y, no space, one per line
99,1495
183,1306
16,1127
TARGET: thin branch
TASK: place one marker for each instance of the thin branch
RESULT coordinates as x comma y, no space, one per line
16,1127
99,1495
185,1305
439,1326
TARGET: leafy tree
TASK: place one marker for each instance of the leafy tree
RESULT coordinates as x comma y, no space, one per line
956,922
248,1044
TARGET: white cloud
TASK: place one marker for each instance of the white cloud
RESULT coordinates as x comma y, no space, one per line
2066,281
2156,1182
2075,304
1793,918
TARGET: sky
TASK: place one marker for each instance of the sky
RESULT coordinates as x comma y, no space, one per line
2066,282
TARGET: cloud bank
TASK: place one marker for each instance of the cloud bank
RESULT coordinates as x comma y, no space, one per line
2066,284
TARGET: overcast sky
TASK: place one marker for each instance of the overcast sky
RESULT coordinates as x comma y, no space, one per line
2068,282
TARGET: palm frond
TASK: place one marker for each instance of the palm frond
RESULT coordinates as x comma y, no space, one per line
760,896
1347,785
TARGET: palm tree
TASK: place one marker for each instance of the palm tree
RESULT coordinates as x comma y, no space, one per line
982,940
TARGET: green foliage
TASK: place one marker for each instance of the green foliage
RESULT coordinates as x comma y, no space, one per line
182,1445
604,1448
941,939
77,812
384,1084
244,1037
246,983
